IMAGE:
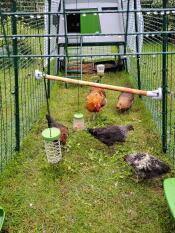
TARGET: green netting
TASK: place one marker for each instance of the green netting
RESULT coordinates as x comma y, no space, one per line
151,67
31,94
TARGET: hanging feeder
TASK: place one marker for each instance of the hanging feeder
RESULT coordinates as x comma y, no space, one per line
100,69
78,122
51,138
2,217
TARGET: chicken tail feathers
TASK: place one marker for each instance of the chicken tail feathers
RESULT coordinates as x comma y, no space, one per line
164,167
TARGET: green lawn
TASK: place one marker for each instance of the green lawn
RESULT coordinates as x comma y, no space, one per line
89,190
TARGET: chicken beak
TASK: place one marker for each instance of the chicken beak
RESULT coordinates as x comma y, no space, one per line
97,108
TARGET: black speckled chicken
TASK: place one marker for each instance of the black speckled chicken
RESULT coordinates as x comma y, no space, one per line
111,134
146,166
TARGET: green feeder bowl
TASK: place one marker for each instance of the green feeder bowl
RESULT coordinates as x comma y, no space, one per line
51,134
2,217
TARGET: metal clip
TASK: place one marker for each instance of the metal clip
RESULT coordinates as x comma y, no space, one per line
38,74
156,94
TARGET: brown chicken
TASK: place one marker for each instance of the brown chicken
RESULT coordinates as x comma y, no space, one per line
95,100
124,101
63,129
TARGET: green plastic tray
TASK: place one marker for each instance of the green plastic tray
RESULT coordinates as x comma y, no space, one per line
169,190
2,217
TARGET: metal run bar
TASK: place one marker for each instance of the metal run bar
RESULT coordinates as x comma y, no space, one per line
145,10
92,55
137,46
126,27
164,81
66,38
90,35
16,75
155,94
48,47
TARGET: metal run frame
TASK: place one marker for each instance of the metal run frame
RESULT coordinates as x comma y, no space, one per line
17,36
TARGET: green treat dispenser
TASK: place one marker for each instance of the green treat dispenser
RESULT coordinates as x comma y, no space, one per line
51,138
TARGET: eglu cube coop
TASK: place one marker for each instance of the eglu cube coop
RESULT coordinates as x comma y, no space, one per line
66,35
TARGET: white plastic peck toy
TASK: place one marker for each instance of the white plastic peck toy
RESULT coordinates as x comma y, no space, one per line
78,122
51,138
100,69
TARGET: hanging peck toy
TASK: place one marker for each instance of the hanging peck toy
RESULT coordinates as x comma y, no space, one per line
100,69
78,122
51,138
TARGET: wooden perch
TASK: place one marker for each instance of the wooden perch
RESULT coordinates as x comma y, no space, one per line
155,94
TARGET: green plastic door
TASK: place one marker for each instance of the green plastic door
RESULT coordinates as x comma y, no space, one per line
89,23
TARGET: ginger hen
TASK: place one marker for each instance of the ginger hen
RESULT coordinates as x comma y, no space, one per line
95,100
125,101
63,129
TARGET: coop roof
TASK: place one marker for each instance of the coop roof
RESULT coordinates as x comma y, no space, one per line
90,1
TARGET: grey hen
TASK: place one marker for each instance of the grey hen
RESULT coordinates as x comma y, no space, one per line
146,166
111,134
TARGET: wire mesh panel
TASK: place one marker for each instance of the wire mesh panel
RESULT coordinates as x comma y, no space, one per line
51,27
31,94
7,90
146,69
131,21
156,67
21,96
171,80
7,111
151,65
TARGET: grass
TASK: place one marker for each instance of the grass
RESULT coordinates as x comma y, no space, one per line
89,190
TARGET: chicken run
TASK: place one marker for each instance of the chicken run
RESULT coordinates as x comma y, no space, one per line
75,45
